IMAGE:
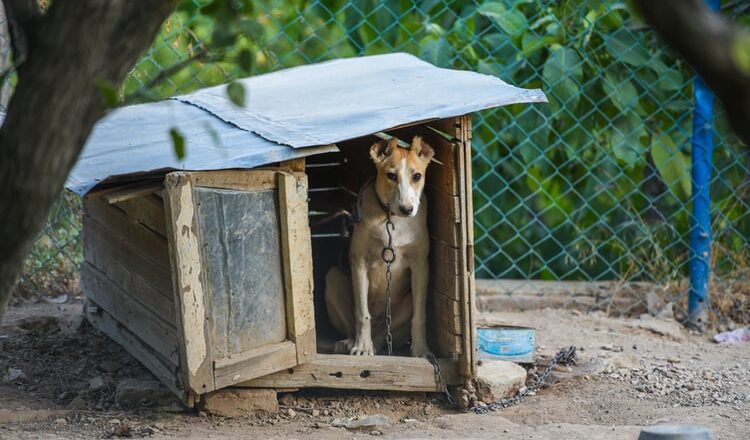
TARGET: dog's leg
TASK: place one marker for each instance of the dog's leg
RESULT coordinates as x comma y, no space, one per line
340,307
363,321
420,275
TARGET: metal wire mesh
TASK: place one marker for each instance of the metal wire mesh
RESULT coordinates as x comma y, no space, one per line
594,186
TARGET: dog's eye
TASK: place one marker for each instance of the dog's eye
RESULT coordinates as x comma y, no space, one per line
392,176
416,177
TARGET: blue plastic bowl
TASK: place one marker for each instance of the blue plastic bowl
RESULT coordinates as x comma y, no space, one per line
508,343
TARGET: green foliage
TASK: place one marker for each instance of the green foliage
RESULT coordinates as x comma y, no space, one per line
178,143
560,188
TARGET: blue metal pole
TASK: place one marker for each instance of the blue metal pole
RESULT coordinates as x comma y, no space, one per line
700,221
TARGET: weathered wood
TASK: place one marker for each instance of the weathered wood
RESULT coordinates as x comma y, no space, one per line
150,328
293,165
467,361
147,210
241,254
242,180
107,250
444,217
129,192
445,269
297,262
184,249
103,255
128,231
520,295
362,373
254,363
163,369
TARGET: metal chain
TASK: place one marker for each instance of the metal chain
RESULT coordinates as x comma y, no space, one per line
441,380
566,356
389,256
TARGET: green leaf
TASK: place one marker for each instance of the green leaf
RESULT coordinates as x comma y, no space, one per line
625,138
108,92
236,93
436,51
673,166
622,93
511,21
624,46
178,143
669,78
561,70
245,60
740,51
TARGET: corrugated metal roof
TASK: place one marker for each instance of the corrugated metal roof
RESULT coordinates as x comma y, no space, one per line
307,106
343,99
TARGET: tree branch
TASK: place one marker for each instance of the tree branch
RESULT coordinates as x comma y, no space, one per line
706,41
56,103
21,14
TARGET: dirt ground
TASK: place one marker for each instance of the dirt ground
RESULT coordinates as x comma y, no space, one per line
60,380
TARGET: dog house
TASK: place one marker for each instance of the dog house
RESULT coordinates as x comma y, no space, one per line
210,270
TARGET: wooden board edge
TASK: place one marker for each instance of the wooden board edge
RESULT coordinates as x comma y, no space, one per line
362,373
187,281
258,362
296,247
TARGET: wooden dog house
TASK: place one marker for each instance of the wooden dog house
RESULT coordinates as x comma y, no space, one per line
207,269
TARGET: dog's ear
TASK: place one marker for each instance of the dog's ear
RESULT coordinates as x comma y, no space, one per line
380,150
422,149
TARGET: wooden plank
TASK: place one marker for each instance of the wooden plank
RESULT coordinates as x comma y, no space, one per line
444,216
147,210
242,180
293,165
141,239
254,363
187,278
152,360
128,280
362,373
468,364
150,328
119,257
131,192
296,251
445,268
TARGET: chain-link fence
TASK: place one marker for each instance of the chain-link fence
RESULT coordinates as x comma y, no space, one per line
594,186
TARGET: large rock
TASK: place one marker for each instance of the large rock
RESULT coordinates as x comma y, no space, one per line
498,380
132,393
238,402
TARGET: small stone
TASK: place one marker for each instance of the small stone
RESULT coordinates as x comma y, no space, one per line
238,402
291,413
315,413
61,421
376,432
13,375
96,383
368,422
78,403
498,380
110,366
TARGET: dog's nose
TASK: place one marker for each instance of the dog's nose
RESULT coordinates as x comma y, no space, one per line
406,210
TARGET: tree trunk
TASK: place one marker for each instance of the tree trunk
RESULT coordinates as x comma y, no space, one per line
706,41
74,46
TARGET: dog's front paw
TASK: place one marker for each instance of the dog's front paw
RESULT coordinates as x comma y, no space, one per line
420,350
362,347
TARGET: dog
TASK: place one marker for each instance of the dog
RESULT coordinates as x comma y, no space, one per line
356,302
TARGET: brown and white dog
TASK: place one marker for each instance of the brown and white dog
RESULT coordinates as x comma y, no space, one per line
357,304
